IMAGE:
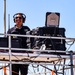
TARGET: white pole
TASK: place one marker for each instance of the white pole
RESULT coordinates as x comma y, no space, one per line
4,17
5,26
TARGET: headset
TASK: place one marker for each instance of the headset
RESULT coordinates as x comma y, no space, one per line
23,16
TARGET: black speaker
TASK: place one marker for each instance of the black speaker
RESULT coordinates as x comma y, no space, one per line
51,44
15,43
52,31
3,42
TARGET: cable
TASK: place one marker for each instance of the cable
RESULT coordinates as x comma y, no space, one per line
70,45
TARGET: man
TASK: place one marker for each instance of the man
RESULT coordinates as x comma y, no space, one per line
19,28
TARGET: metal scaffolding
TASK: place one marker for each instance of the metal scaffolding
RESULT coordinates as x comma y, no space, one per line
37,58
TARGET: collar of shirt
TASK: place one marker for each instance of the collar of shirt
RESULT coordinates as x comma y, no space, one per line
17,27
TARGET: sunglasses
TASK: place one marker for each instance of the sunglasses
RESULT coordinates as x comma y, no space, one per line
18,18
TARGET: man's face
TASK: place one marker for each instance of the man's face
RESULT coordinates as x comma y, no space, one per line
19,20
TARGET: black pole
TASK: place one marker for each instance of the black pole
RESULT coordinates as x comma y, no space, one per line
63,67
71,60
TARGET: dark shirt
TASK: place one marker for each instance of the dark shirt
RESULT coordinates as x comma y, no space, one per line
21,31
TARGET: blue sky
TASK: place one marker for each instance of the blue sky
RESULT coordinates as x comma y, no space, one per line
35,11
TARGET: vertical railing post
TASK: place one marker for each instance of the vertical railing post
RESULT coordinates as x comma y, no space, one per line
10,61
71,60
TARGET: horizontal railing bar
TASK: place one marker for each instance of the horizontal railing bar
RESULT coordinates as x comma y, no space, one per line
35,36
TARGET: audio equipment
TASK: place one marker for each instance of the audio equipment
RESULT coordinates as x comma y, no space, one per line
51,44
15,43
23,16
